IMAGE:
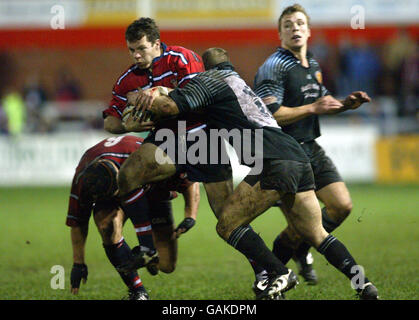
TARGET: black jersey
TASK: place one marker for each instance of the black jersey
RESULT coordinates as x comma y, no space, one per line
231,104
293,85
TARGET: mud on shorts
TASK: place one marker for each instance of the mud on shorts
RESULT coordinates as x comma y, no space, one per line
287,176
206,169
324,170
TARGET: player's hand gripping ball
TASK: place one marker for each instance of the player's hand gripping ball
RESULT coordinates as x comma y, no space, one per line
133,118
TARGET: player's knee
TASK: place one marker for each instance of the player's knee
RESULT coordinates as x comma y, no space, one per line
167,267
341,211
346,208
126,183
291,237
222,229
123,180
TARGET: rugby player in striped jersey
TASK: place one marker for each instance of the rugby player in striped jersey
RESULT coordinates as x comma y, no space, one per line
230,105
290,83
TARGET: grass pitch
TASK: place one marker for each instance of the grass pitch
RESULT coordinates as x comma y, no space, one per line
381,233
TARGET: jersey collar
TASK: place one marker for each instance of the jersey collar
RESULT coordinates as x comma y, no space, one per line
286,51
164,47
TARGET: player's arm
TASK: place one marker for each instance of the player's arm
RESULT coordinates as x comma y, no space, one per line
153,103
163,107
78,241
79,270
114,125
191,196
285,115
157,104
355,100
121,105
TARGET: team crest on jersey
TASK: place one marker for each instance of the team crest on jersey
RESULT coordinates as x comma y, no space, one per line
318,76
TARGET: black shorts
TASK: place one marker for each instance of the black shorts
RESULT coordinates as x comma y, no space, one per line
205,169
324,170
108,205
287,176
161,213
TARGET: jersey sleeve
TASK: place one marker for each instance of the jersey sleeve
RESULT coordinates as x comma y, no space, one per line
78,211
269,81
117,104
187,64
200,92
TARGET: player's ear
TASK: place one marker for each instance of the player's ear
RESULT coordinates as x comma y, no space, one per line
157,43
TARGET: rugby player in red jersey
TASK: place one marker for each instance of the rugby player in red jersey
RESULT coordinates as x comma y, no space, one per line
94,188
155,64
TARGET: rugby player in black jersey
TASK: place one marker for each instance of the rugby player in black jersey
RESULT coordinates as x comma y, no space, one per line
290,83
286,174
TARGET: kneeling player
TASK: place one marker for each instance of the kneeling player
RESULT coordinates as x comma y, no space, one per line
94,188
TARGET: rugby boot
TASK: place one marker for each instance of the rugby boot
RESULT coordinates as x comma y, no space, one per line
305,268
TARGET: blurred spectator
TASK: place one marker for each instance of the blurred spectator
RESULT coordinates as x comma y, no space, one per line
68,87
15,110
394,55
326,57
7,71
35,97
3,121
361,68
396,50
410,84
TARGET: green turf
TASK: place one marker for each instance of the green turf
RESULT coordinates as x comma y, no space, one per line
381,233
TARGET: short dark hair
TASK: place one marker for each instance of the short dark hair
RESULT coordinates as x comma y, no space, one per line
213,56
99,180
290,10
142,27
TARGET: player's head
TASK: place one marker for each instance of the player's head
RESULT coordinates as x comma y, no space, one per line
216,58
294,27
143,41
99,180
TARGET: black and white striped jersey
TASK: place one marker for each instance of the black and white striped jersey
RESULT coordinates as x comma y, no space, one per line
282,76
229,103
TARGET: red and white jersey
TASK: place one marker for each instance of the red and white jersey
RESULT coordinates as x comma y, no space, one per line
174,68
116,149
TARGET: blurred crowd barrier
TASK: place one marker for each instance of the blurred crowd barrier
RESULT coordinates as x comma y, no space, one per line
359,152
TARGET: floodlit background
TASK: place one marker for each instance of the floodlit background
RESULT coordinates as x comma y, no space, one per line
60,59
